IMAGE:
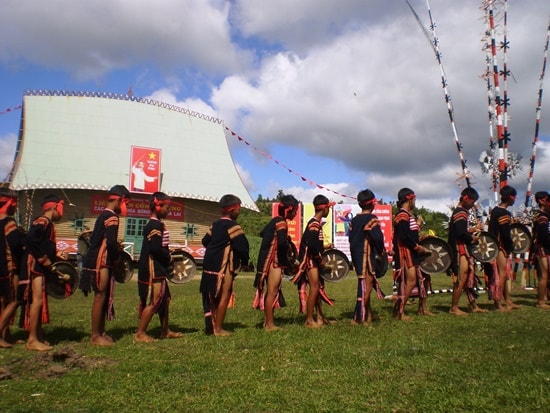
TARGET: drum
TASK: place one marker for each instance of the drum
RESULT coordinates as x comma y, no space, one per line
336,267
439,258
124,270
380,264
184,267
521,237
292,256
486,250
61,280
83,243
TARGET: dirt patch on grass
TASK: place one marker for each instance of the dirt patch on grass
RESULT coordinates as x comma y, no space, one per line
52,364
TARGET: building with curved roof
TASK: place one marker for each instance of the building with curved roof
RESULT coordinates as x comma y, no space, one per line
81,144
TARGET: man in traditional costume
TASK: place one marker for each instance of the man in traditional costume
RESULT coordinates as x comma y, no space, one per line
273,261
227,249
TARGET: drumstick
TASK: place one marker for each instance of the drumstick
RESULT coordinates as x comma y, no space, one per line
63,276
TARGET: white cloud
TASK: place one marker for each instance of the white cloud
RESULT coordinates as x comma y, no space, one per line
89,39
354,81
7,151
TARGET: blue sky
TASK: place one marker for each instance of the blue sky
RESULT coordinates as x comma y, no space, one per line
345,93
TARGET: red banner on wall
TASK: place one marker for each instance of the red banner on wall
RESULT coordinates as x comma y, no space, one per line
145,170
138,207
294,226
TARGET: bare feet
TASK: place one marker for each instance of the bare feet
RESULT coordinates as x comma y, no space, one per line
108,338
36,345
539,305
222,333
171,334
426,312
309,324
101,341
5,344
272,327
479,310
512,306
404,317
458,312
143,338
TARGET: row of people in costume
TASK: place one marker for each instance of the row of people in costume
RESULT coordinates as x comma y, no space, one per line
25,259
154,267
367,251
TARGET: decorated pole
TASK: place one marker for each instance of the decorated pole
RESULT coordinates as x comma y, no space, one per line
537,121
489,165
502,155
504,45
434,42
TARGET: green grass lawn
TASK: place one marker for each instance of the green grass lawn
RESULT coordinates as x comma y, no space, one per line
493,362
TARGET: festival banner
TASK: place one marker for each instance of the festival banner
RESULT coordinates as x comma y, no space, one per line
344,213
294,226
145,170
138,207
309,212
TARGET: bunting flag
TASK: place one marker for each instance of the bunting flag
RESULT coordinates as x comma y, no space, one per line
268,156
9,110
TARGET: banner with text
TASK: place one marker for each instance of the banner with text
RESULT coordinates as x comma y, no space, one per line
294,226
138,207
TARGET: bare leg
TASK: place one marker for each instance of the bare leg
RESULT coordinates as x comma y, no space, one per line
7,314
458,287
35,317
165,331
274,280
543,284
501,264
99,337
311,304
221,306
423,307
410,281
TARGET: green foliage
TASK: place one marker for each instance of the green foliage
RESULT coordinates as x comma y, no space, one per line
435,221
479,363
253,222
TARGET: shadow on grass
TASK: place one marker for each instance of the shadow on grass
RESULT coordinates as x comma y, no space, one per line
59,334
155,332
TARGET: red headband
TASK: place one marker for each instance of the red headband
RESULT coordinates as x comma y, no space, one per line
323,206
49,205
8,202
161,202
117,197
370,201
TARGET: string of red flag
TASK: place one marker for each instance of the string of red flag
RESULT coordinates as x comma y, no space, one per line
8,110
281,164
